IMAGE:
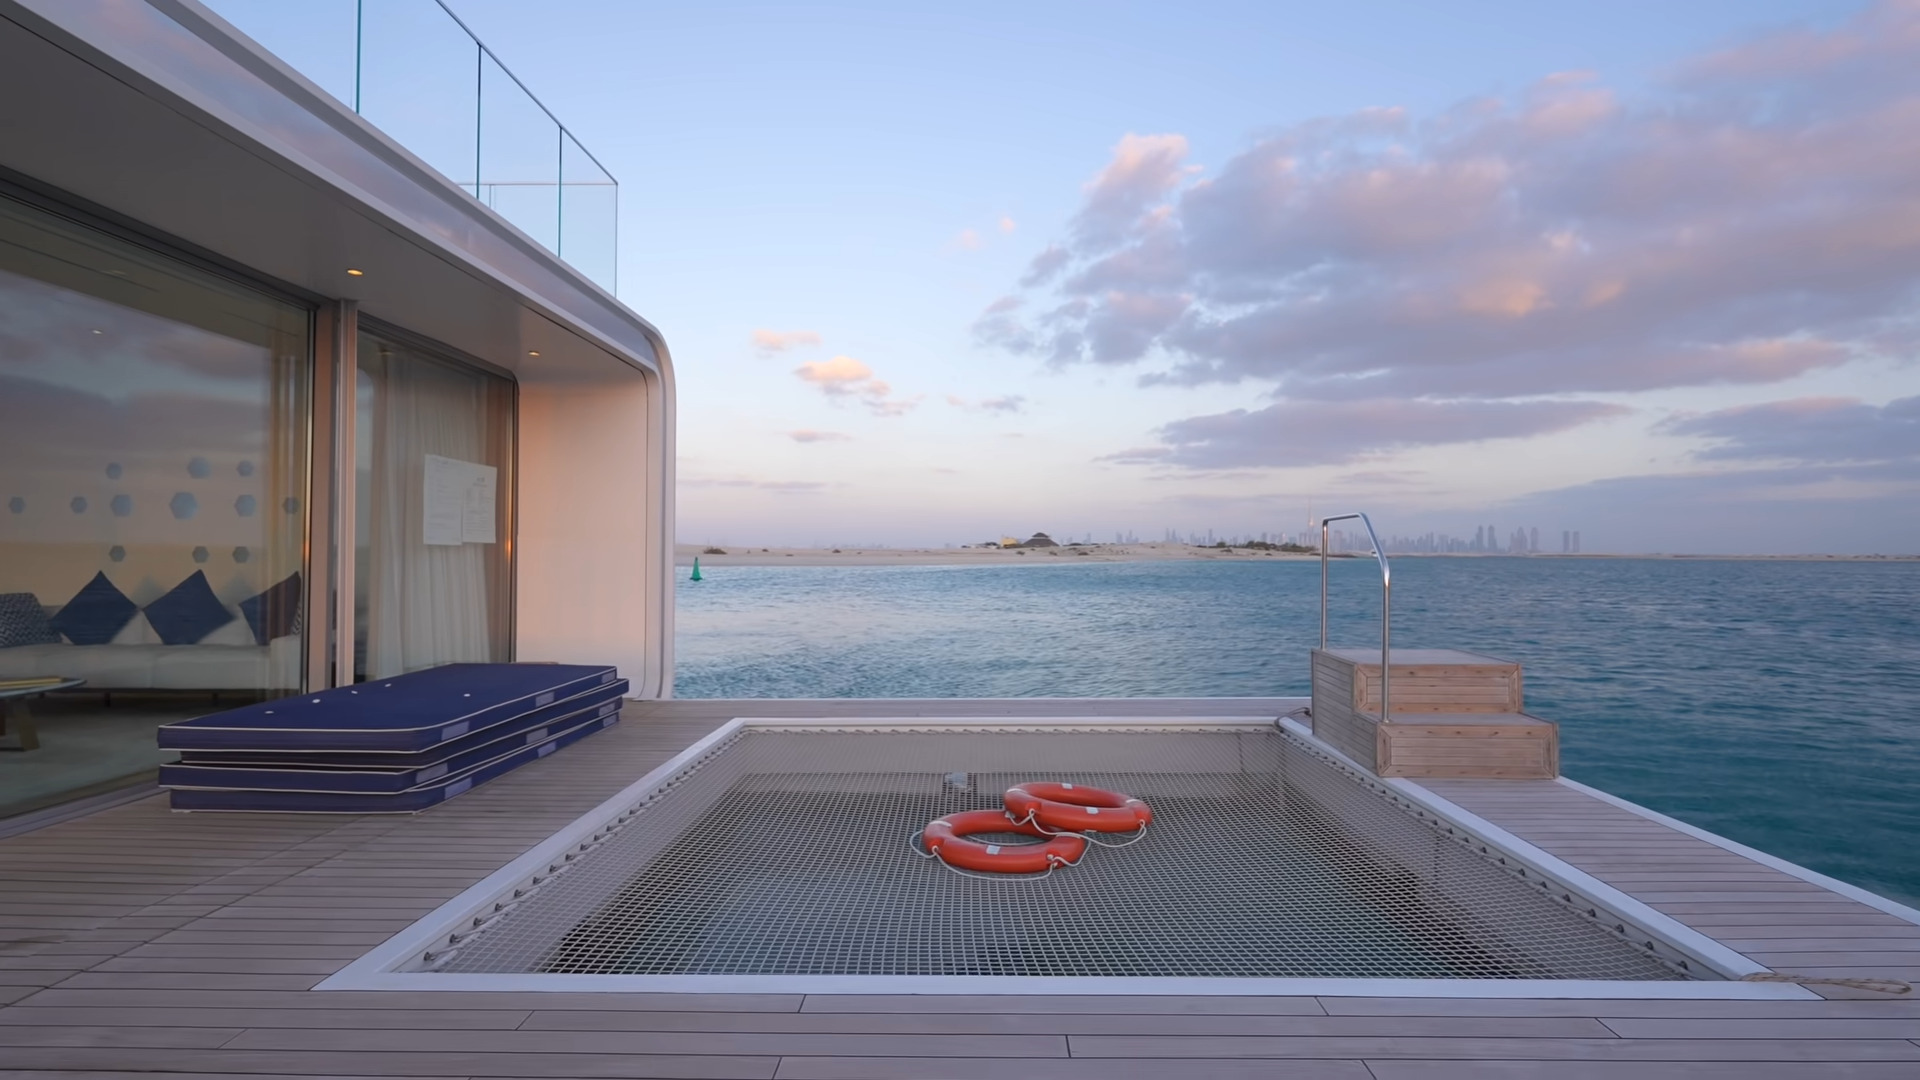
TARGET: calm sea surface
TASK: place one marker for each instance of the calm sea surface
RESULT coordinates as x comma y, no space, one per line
1777,703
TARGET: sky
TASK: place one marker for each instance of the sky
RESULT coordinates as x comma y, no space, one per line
934,275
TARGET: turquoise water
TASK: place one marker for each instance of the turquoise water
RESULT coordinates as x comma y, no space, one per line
1776,703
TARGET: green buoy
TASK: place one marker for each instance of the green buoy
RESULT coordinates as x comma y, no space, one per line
696,568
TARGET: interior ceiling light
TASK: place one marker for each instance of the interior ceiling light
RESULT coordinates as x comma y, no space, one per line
533,352
351,272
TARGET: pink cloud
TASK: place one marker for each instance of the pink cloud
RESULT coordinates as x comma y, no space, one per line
1811,429
1754,219
840,375
1144,169
776,341
809,435
845,377
1292,433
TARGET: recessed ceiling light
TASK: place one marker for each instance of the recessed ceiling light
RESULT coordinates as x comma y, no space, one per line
533,352
99,331
351,272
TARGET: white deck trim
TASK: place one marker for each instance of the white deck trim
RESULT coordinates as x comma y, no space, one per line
1812,877
374,970
431,927
1717,957
1015,985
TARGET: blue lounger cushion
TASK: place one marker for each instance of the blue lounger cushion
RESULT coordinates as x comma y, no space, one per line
414,759
406,802
327,780
407,712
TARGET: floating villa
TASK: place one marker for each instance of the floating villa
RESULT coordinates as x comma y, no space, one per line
307,384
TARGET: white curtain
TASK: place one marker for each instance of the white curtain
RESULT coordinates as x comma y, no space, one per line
426,605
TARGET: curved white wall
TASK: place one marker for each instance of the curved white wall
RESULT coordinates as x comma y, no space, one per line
594,557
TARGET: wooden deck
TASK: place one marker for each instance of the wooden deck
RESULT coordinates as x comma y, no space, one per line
138,941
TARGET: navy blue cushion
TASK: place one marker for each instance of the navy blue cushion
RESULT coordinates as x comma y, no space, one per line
24,622
96,613
275,612
407,712
188,613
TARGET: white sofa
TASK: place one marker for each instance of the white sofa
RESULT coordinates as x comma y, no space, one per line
227,659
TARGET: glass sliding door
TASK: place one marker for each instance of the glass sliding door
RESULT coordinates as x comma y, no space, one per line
434,486
153,478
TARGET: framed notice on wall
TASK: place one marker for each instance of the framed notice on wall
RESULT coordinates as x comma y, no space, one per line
459,501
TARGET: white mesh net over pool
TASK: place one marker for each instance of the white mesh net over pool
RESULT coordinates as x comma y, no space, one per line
786,851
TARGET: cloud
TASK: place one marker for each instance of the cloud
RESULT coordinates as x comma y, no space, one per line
1143,170
809,435
1810,430
1754,218
969,239
845,377
1044,267
1802,474
1292,433
778,341
1797,508
1008,225
1375,478
1009,403
788,487
840,375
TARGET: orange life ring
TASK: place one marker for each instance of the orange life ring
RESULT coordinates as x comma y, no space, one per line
947,837
1076,808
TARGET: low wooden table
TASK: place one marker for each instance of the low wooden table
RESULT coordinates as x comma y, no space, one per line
16,720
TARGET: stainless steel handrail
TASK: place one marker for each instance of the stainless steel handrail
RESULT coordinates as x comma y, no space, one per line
1386,602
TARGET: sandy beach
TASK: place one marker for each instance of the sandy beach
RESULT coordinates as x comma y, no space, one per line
760,556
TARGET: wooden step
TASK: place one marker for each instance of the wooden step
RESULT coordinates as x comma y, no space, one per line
1511,746
1430,680
1454,713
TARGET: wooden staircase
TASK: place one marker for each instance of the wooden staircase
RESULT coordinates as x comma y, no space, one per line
1453,714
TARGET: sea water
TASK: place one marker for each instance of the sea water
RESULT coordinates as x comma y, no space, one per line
1774,702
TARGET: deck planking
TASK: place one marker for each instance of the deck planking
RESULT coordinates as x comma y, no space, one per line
136,941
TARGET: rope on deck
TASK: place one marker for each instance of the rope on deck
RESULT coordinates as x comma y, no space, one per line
1878,986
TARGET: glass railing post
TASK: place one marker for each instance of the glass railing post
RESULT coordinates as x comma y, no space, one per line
359,48
479,109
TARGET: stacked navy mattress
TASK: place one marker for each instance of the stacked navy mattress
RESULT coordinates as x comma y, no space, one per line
396,745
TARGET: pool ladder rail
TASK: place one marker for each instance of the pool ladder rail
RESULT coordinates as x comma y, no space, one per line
1459,714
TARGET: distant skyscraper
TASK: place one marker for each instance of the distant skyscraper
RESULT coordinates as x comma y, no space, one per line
1576,541
1479,537
1533,540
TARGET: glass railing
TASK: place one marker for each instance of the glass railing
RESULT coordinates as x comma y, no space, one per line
415,71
